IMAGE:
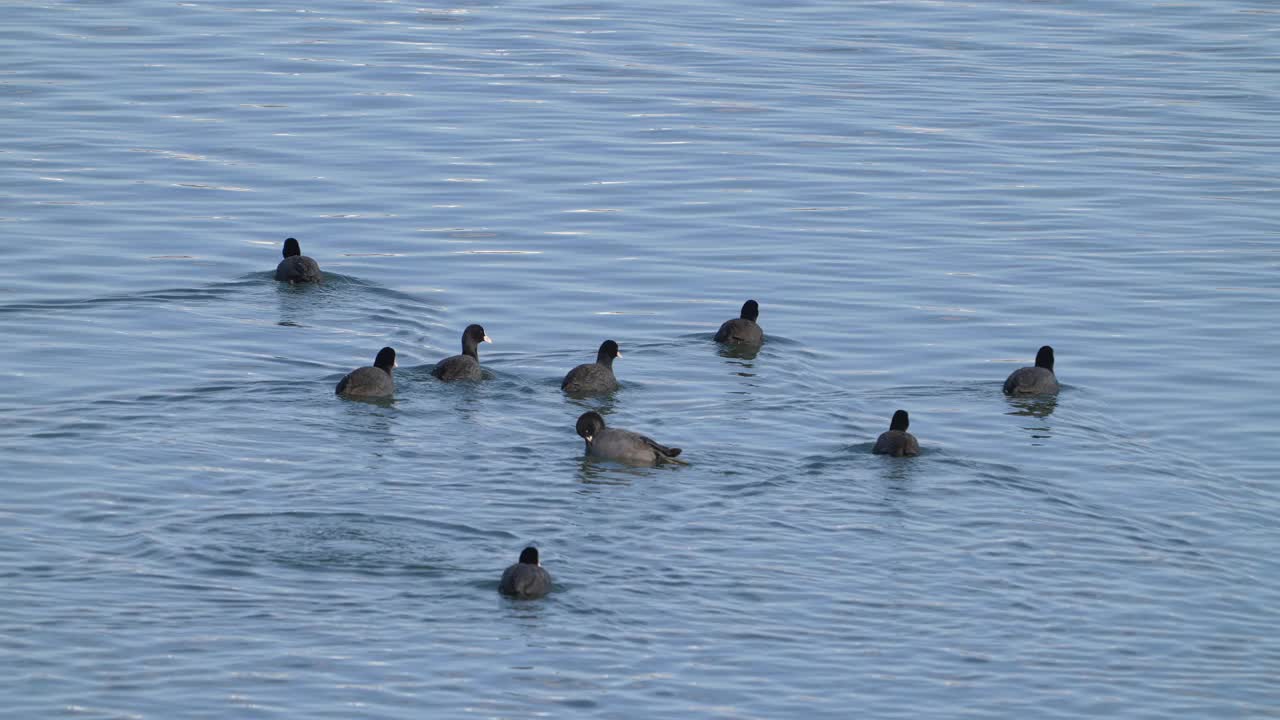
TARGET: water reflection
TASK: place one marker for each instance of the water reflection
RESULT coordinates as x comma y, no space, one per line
292,302
527,612
385,402
296,304
593,473
371,419
466,398
1041,406
301,300
739,352
899,470
603,404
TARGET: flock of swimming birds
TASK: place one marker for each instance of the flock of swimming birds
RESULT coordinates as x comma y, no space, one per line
527,578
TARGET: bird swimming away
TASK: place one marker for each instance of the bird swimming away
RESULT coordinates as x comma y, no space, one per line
596,377
467,365
525,579
1038,380
296,267
896,441
370,382
622,445
742,330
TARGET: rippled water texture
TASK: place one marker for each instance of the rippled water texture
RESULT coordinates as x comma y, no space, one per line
919,194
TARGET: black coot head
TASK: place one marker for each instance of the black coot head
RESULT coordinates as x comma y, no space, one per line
529,556
900,421
386,359
471,338
608,351
1044,358
589,424
291,247
750,310
475,334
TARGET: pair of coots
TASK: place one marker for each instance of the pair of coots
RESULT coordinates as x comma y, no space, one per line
605,442
366,382
598,377
744,330
1026,381
376,381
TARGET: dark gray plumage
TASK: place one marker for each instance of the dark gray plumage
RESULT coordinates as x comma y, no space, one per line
742,330
467,365
373,381
896,441
525,579
622,445
596,377
296,267
1038,380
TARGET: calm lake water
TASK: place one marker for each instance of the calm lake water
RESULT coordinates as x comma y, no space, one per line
919,194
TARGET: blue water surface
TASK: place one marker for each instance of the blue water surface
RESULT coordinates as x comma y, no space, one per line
919,194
